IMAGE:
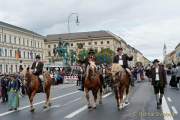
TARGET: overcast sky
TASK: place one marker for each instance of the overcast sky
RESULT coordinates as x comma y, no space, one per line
144,24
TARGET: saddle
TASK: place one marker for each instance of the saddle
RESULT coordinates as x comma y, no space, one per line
41,87
116,68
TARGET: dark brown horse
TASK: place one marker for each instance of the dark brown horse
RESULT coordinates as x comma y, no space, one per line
121,84
93,83
32,86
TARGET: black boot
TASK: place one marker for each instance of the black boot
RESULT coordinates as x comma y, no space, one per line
158,105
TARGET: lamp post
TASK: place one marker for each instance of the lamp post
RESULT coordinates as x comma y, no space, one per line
77,20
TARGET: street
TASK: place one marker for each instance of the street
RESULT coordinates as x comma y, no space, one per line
69,103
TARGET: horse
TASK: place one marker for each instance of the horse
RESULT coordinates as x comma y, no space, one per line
121,84
32,85
93,83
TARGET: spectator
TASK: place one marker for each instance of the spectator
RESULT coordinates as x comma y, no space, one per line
13,93
4,84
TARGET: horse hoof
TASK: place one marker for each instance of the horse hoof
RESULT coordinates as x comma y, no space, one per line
45,106
89,107
32,110
50,104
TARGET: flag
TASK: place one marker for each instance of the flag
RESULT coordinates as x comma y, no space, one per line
18,54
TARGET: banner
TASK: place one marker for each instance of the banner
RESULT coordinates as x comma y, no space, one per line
18,54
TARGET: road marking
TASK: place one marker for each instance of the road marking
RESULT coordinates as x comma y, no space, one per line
58,106
71,115
169,99
63,86
174,110
166,111
35,104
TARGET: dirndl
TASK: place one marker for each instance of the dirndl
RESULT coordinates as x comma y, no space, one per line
13,99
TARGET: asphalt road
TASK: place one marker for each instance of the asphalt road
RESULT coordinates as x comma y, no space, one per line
69,103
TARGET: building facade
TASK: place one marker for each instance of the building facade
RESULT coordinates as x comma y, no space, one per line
177,49
173,57
18,46
97,40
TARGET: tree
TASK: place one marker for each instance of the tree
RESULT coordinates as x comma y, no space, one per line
105,56
82,55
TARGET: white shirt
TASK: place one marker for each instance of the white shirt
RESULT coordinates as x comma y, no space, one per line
157,74
120,60
36,66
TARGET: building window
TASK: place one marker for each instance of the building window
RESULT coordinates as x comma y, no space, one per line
10,39
107,42
35,44
49,46
0,37
89,43
5,38
10,52
71,44
6,68
23,41
31,44
19,40
1,68
1,51
95,43
27,42
16,68
28,55
11,69
5,52
38,45
54,45
24,54
49,53
101,42
14,39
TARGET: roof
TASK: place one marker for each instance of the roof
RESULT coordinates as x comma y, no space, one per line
6,25
79,35
177,46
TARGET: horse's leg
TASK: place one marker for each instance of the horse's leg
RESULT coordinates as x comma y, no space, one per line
116,96
95,97
121,93
31,100
47,103
127,95
87,97
100,99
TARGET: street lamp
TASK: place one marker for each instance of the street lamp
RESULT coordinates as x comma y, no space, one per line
77,20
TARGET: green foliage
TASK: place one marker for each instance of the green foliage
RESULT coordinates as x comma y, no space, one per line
105,56
83,55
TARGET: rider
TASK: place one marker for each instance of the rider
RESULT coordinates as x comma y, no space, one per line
123,59
37,68
91,58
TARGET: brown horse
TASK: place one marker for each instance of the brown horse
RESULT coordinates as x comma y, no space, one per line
32,86
121,84
93,83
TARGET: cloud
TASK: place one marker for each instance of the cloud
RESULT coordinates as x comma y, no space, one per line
144,24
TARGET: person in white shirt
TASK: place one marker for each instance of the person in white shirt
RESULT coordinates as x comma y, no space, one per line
159,81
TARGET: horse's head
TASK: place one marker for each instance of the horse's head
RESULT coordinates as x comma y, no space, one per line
26,75
92,68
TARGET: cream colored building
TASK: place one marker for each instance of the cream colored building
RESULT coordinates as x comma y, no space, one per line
177,49
97,40
13,38
173,56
